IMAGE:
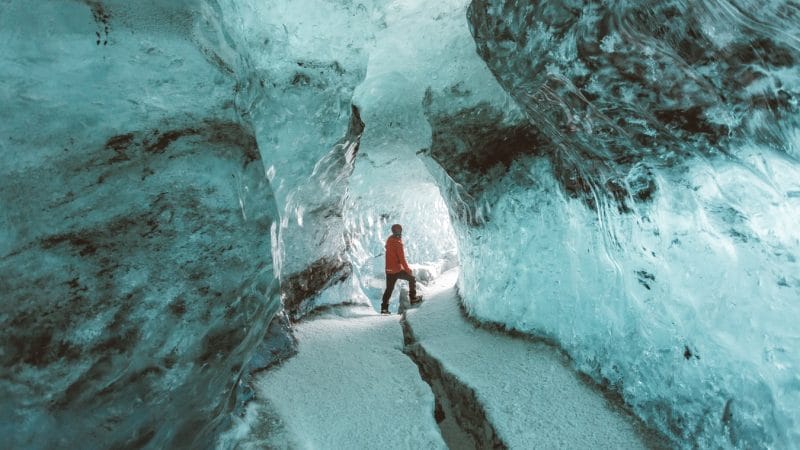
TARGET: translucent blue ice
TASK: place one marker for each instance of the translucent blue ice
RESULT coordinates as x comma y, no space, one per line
620,177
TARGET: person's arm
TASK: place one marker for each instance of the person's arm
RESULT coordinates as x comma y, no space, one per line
403,263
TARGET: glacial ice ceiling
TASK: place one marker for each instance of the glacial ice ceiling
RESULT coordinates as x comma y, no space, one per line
619,177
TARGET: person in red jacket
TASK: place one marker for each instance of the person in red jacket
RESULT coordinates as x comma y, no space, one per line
397,269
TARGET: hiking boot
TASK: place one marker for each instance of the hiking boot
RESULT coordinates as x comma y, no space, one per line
385,311
415,300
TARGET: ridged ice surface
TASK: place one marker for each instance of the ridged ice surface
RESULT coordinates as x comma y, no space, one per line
653,229
297,72
135,221
620,177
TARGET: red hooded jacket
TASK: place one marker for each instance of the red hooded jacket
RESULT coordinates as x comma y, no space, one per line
395,256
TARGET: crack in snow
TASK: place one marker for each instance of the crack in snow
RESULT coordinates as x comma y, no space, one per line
460,416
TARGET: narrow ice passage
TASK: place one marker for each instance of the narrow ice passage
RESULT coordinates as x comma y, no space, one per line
351,386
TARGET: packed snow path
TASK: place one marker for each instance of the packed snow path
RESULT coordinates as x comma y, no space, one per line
528,394
351,386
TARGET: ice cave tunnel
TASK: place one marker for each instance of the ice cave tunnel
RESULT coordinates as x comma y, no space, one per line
195,196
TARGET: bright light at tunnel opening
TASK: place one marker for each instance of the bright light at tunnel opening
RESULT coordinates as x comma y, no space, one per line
428,235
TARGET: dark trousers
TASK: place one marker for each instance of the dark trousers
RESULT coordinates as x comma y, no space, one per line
391,279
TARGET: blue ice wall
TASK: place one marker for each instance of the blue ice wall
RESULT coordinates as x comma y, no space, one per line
298,65
621,177
643,212
135,215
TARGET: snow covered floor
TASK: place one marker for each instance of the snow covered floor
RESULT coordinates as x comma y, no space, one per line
528,393
351,386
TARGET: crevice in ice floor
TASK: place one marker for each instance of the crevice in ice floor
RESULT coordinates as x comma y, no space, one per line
361,381
460,416
654,438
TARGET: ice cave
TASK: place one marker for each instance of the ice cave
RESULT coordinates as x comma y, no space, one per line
600,203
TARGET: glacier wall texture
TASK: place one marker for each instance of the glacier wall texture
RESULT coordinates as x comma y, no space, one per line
298,72
640,212
621,177
135,253
179,150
